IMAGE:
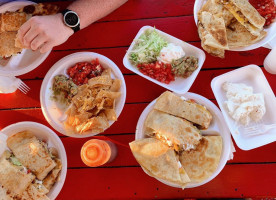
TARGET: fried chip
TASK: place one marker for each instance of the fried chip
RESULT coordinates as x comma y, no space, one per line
94,105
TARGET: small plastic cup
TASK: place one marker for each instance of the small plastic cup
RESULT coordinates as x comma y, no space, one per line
96,152
270,62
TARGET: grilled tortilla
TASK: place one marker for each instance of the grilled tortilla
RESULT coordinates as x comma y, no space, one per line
4,195
32,153
174,131
191,111
7,47
12,21
246,14
13,178
40,9
239,36
159,160
203,161
214,30
52,177
35,192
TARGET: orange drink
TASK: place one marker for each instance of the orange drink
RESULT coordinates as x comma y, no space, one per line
96,152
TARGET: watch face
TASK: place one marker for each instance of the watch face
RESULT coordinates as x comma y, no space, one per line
71,19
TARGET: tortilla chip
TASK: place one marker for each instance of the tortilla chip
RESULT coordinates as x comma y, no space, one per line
110,114
116,85
12,21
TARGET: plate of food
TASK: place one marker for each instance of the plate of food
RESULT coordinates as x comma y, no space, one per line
14,59
34,165
164,59
182,141
83,94
236,25
246,100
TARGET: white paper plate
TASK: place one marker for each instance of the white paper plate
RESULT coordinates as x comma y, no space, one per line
53,111
28,60
217,127
46,134
180,85
253,76
271,30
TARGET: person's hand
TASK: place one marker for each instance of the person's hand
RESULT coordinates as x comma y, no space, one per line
44,32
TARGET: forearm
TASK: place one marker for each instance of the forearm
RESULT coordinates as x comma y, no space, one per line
90,11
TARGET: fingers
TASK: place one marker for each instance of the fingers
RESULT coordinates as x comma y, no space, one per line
23,30
46,47
38,41
30,36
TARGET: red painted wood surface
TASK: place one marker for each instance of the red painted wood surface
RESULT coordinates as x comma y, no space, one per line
249,174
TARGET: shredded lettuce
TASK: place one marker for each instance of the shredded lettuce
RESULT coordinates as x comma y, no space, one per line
15,161
147,47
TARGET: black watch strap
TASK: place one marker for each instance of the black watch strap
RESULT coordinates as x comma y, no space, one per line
75,28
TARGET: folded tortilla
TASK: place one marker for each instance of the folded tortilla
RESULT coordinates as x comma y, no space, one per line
202,162
40,9
213,30
35,192
52,177
7,47
12,21
4,195
189,110
174,131
14,179
32,153
239,36
246,14
159,160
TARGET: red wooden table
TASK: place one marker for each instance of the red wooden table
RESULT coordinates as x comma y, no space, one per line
250,174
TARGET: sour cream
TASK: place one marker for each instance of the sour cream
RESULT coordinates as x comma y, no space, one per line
242,104
170,53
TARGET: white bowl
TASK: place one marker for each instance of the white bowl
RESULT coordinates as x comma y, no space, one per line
217,127
180,85
28,60
271,30
253,76
53,111
46,134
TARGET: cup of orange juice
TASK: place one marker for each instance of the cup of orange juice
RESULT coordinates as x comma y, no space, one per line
96,152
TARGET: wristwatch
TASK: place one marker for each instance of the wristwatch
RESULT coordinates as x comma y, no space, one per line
71,19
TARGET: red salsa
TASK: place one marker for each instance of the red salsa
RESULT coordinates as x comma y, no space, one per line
157,70
266,8
81,72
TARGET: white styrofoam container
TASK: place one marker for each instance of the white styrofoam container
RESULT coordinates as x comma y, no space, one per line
180,85
54,111
253,76
217,127
50,137
271,30
28,60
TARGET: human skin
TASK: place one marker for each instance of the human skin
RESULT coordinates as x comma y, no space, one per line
45,32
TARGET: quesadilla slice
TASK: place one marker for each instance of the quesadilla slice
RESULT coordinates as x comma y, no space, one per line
40,9
35,191
32,153
159,160
4,195
245,14
239,36
187,109
52,177
213,31
12,21
14,177
175,132
202,162
7,47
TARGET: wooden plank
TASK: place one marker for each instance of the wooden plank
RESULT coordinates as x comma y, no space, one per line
235,181
264,154
232,59
138,89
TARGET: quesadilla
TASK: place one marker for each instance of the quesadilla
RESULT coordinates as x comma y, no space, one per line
40,9
52,177
174,131
7,47
12,21
239,36
245,14
214,31
202,162
4,195
32,153
35,191
187,109
159,161
14,177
